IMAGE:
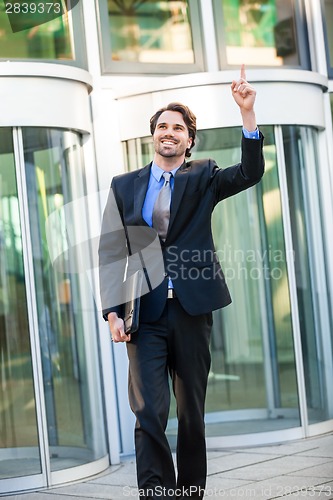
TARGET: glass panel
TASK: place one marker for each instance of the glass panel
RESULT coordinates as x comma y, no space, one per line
302,172
328,19
19,450
150,31
147,149
277,287
50,40
67,328
138,152
261,32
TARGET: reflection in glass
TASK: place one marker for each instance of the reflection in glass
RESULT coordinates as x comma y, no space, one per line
138,153
19,450
328,19
51,40
150,32
262,33
68,345
277,289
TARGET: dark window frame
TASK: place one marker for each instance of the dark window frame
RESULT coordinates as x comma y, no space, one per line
139,68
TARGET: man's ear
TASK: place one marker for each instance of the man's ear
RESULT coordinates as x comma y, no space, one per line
189,143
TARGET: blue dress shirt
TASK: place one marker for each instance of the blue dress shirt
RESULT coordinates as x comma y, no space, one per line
156,182
251,135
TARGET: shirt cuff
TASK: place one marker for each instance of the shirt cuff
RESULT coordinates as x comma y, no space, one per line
251,135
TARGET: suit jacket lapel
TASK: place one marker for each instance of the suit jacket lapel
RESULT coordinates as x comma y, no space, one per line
181,179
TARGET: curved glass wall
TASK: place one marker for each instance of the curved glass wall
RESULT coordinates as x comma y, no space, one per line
262,33
271,251
37,32
49,356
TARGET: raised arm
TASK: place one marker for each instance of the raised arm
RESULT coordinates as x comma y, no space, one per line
245,95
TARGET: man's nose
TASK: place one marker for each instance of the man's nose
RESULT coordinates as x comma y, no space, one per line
169,131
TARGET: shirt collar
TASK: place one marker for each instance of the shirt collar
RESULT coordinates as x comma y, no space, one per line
158,171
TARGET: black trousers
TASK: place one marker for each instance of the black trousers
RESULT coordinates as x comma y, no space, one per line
176,345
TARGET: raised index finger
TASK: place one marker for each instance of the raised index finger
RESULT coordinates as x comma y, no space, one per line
242,72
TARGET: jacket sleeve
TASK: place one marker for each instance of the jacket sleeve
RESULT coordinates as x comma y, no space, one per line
113,254
232,180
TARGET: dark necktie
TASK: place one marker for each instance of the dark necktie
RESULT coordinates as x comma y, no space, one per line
161,210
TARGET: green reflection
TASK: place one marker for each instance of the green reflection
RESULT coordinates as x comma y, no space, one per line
51,40
260,32
150,32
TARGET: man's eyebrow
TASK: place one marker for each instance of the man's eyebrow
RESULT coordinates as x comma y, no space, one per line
174,124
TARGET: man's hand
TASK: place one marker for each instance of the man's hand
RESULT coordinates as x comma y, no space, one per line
245,95
117,328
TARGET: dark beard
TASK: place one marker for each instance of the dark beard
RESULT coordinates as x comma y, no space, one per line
167,153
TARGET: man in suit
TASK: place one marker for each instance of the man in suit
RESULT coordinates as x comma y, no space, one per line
175,316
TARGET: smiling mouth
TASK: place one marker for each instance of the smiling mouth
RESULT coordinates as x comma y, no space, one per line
168,143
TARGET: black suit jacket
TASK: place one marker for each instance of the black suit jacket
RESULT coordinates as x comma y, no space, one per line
188,251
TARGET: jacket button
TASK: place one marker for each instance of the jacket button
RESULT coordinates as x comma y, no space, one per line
165,275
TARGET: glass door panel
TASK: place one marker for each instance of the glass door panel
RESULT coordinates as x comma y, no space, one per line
55,181
302,177
19,446
278,307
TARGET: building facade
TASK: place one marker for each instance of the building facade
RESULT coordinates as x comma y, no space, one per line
77,93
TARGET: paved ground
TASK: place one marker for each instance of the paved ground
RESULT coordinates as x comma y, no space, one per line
300,469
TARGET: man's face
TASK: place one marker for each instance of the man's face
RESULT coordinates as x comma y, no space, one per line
171,138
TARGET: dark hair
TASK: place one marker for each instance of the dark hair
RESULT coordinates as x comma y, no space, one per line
189,119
